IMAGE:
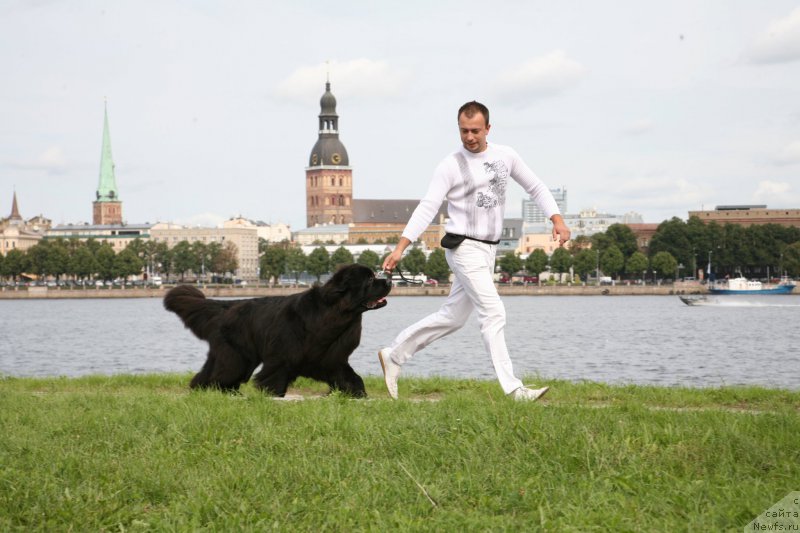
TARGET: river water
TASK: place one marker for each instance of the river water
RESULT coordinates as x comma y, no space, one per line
653,340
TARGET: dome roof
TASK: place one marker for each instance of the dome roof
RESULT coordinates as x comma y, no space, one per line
328,151
327,103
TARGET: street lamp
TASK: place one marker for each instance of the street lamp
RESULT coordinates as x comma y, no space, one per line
597,273
708,268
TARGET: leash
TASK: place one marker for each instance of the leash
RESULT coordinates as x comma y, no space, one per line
402,277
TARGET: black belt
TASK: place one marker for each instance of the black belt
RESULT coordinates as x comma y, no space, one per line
481,240
452,240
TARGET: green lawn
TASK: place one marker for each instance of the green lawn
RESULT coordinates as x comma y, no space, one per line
137,453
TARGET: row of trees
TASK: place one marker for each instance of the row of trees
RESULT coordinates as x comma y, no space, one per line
283,259
754,251
92,259
677,245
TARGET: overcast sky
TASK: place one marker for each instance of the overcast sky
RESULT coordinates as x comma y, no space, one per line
652,107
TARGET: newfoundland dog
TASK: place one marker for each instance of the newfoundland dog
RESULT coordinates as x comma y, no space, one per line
310,334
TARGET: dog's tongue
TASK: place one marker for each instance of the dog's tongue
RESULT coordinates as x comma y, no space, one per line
376,303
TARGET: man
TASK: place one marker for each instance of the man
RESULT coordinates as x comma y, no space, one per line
473,180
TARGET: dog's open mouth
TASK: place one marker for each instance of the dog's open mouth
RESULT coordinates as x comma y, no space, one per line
377,304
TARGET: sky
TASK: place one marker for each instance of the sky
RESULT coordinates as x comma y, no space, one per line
640,106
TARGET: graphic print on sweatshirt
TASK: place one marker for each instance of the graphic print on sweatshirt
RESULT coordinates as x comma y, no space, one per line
496,195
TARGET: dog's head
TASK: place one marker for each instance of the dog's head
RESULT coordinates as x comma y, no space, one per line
356,288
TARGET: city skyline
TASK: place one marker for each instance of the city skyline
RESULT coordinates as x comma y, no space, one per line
681,108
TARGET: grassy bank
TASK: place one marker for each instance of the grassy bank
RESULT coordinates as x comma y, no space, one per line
142,453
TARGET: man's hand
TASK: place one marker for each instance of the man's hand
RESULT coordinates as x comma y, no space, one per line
393,259
561,232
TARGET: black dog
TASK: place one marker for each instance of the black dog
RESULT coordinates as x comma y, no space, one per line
310,334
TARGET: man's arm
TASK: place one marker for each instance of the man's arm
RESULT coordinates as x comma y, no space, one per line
394,258
561,232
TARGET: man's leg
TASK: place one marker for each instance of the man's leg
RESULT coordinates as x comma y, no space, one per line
472,264
449,318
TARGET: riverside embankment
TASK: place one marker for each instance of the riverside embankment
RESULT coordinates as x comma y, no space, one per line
256,291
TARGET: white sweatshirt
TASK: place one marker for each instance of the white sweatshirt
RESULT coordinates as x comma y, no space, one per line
475,188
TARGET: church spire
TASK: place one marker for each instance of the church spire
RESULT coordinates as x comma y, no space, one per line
15,209
107,208
107,187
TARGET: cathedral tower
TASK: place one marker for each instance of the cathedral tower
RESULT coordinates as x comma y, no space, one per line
329,177
107,208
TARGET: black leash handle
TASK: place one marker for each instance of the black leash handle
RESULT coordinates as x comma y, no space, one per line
402,277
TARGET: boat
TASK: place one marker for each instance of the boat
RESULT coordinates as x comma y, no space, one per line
695,299
742,285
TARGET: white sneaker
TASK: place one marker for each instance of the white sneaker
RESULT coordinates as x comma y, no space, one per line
524,394
391,371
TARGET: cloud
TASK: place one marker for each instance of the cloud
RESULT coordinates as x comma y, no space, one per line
776,193
541,77
639,127
789,155
51,161
204,220
365,78
780,43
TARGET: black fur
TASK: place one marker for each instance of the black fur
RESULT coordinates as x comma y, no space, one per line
310,334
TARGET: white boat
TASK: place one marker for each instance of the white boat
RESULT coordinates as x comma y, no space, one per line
742,285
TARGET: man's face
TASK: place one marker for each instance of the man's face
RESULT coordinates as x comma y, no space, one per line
473,131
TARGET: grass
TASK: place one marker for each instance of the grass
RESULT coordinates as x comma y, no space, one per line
142,453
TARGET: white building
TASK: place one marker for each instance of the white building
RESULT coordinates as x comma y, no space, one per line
323,233
272,233
533,214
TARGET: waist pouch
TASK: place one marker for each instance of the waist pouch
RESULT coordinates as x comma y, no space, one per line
451,240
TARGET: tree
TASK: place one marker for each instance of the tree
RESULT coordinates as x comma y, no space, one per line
414,261
790,262
182,258
437,267
664,263
510,263
319,262
560,261
672,236
105,261
57,258
536,263
37,258
83,264
15,263
612,261
581,242
369,259
340,257
637,264
295,262
226,260
585,262
127,263
202,259
623,237
273,263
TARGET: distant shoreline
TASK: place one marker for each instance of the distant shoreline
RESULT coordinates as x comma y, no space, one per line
45,293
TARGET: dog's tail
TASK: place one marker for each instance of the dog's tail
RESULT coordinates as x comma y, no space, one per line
194,309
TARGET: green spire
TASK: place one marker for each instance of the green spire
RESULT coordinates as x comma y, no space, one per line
107,188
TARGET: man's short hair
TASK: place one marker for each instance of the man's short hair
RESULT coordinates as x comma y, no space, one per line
470,108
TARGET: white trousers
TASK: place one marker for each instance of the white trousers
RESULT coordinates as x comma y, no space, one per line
472,264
